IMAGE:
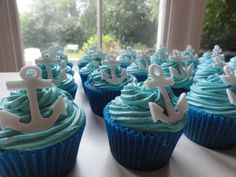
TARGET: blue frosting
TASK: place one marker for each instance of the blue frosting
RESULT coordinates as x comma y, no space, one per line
210,95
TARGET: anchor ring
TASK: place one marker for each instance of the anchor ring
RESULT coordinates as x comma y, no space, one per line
30,72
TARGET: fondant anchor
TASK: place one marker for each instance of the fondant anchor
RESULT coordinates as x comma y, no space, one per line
47,60
160,82
31,82
219,62
146,61
230,78
216,51
184,71
114,79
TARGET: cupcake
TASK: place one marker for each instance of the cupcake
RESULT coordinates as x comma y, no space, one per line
160,56
105,83
51,70
41,128
94,63
127,57
212,117
139,67
142,124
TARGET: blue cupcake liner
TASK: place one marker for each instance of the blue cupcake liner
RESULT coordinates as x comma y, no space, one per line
71,72
73,91
83,77
139,150
140,78
70,64
54,161
178,91
98,98
124,65
81,65
210,130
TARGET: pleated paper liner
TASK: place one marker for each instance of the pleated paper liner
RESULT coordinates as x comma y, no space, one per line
140,77
210,130
54,161
140,150
98,98
70,64
73,91
177,91
83,77
71,72
81,65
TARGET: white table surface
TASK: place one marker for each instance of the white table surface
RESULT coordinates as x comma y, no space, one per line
95,160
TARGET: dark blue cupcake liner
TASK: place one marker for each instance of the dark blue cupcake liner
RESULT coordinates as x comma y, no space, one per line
83,77
124,65
71,72
178,91
140,78
98,98
73,91
139,150
54,161
210,130
70,64
81,65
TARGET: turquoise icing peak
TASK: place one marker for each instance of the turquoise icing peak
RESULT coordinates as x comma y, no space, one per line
66,84
160,56
95,78
18,104
140,65
210,95
131,109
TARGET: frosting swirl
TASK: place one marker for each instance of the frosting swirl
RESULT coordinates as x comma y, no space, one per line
131,109
18,104
160,56
210,95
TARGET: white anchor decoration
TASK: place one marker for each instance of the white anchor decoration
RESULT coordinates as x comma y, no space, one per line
160,82
47,60
31,83
184,71
146,61
216,51
230,78
114,79
190,49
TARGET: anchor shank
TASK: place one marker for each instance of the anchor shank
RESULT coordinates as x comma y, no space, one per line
34,109
49,71
169,107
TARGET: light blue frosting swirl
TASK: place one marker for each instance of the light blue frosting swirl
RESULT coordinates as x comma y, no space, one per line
66,84
95,79
210,95
160,56
127,57
131,109
192,58
94,63
18,104
232,63
134,67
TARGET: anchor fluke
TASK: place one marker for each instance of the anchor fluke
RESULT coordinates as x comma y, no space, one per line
31,81
172,116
